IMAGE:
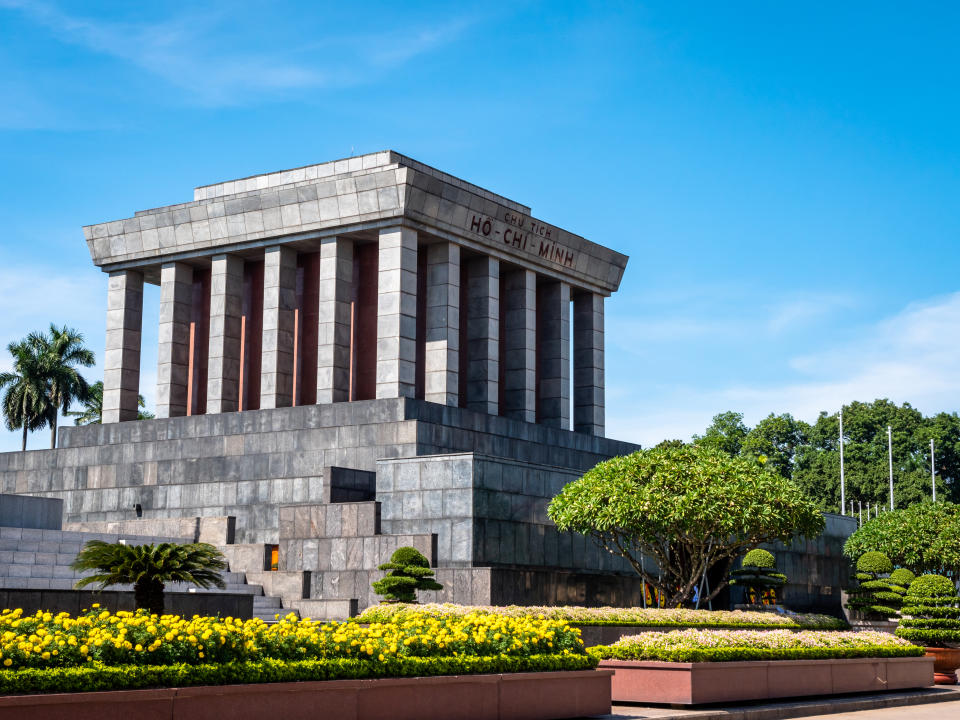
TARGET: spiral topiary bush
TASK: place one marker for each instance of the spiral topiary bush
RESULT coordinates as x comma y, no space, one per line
758,573
932,604
877,595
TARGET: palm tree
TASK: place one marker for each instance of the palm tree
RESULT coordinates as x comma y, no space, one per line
92,413
60,352
149,567
25,400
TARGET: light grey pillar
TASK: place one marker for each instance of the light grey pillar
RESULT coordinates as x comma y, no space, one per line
553,337
333,326
520,351
397,313
442,353
279,305
588,379
176,294
121,359
226,308
483,335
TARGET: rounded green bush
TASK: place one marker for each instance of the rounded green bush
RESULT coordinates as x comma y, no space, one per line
758,557
902,577
407,555
932,586
874,562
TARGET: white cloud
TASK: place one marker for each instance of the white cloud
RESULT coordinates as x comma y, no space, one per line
803,311
912,356
189,51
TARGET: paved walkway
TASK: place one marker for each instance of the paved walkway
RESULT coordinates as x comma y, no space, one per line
941,703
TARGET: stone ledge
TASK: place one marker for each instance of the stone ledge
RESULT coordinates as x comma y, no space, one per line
531,696
678,683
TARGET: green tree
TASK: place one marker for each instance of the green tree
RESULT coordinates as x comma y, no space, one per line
921,538
92,413
409,571
60,352
690,508
727,433
150,567
25,391
775,440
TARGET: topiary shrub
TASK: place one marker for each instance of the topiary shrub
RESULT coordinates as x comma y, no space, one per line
932,604
903,578
409,571
876,596
758,575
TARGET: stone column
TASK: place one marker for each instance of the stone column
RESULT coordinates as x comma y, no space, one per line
520,351
121,359
333,325
397,313
483,335
226,308
442,356
279,304
553,341
176,294
588,380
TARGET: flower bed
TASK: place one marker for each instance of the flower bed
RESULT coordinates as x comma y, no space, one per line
647,617
694,646
100,650
690,667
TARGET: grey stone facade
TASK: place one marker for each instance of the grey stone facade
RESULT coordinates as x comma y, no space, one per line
354,356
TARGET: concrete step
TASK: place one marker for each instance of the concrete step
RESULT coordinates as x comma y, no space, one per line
327,609
266,601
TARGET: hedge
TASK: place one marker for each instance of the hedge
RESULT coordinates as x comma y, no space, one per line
738,654
96,677
610,616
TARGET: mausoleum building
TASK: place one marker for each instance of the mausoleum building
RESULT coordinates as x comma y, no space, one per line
353,356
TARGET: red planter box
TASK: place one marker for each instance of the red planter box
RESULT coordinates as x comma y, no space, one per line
516,696
717,682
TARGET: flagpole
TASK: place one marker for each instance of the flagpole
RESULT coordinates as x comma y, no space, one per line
890,457
933,472
843,489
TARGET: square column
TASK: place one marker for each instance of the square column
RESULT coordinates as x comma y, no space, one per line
442,330
176,295
226,310
483,335
121,359
397,313
520,345
279,304
335,289
553,356
588,380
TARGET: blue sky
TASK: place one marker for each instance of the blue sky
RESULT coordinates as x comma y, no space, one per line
784,177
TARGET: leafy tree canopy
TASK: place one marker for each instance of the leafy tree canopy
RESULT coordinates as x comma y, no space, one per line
922,538
727,433
809,454
689,508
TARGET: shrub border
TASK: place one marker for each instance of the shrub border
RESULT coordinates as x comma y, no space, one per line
98,677
733,654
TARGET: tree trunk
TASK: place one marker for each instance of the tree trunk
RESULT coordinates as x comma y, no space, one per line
148,595
23,446
53,431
